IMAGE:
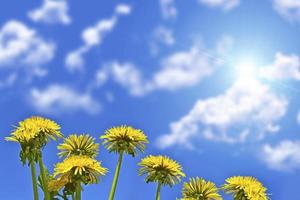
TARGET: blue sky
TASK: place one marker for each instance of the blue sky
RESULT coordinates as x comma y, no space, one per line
213,83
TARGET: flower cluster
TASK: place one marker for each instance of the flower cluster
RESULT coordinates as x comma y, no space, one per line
79,165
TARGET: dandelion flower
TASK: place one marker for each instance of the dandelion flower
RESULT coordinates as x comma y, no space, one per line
78,169
33,134
78,145
124,139
162,170
247,188
87,169
35,128
199,189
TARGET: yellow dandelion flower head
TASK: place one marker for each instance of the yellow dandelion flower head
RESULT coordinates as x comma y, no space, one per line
37,129
161,169
245,187
79,145
199,189
85,168
124,139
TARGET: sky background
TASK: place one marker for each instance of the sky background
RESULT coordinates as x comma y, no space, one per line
213,83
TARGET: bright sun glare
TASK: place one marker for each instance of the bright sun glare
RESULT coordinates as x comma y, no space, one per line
246,70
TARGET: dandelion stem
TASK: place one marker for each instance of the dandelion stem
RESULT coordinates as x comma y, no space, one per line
34,182
116,177
43,177
78,191
158,191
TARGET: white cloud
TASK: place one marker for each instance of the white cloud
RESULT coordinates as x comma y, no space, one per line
52,11
247,108
93,36
289,9
60,98
284,157
125,74
298,118
161,36
224,4
22,46
74,60
284,67
123,9
179,70
182,69
168,9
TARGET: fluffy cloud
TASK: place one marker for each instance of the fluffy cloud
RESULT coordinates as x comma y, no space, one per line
224,4
52,11
289,9
285,156
285,67
60,98
22,46
125,74
182,69
93,36
247,108
123,9
179,70
168,9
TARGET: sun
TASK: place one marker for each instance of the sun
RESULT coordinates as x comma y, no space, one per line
246,70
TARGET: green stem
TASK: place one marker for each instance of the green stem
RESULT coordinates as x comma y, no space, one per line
43,178
34,182
78,191
73,196
158,191
116,177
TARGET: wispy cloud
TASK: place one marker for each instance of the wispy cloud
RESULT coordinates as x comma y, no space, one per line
224,4
168,9
290,9
23,46
178,70
161,36
62,99
51,12
247,108
93,36
128,76
283,157
284,67
298,118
